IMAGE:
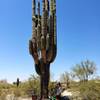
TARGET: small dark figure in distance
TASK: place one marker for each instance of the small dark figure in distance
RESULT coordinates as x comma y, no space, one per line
17,83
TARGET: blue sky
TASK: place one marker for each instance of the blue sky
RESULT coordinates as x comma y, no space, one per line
78,33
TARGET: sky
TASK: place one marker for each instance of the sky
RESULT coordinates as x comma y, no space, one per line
78,37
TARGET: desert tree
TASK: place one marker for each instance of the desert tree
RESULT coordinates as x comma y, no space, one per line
84,70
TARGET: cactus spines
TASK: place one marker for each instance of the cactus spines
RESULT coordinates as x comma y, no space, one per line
43,45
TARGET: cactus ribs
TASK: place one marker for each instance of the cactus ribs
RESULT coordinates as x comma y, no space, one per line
43,44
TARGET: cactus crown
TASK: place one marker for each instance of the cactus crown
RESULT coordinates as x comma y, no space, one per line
43,44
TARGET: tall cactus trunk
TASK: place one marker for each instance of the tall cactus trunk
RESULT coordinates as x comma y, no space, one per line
43,45
44,80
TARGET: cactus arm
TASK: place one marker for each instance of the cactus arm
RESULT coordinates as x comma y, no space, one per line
48,32
55,31
33,51
55,23
30,47
33,7
44,32
37,68
53,44
33,19
32,42
39,29
50,51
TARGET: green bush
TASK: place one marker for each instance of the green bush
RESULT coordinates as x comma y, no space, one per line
90,90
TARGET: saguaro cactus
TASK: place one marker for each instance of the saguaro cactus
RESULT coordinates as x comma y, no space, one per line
43,45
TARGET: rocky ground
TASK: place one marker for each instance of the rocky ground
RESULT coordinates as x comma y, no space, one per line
12,97
71,95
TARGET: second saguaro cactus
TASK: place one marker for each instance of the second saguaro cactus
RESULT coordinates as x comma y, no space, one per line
43,45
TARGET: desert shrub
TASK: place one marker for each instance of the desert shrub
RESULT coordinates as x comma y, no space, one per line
90,91
5,86
30,86
3,95
17,92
